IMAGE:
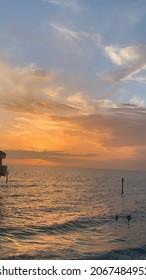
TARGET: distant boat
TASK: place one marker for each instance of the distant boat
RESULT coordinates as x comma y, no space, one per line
3,168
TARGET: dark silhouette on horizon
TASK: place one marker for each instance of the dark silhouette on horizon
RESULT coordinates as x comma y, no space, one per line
129,217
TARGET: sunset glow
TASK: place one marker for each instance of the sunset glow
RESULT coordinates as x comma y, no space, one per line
72,83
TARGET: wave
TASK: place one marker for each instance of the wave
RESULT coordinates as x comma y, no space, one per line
122,254
91,223
74,225
69,226
68,254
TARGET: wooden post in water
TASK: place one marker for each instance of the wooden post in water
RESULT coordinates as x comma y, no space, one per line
7,176
122,185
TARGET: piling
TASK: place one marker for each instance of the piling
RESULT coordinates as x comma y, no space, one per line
122,185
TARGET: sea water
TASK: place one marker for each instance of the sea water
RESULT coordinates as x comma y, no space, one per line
69,213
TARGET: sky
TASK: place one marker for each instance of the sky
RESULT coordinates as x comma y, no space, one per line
72,83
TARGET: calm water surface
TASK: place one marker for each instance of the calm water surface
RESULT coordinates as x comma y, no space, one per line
60,213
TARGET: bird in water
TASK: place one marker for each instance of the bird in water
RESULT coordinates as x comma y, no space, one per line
117,217
129,217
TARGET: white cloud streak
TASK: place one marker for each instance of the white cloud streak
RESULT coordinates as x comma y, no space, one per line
71,4
66,31
77,35
130,61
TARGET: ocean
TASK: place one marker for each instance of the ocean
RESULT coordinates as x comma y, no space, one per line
70,214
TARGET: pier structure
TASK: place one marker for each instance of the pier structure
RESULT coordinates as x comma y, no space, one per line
3,168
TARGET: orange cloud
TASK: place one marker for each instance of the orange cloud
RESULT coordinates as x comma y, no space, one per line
50,127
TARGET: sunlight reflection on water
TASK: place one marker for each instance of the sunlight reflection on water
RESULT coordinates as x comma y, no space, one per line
70,211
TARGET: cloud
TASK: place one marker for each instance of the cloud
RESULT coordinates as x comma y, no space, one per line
89,106
129,61
65,126
141,79
122,126
122,56
136,100
66,31
124,73
29,90
77,35
70,4
48,156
